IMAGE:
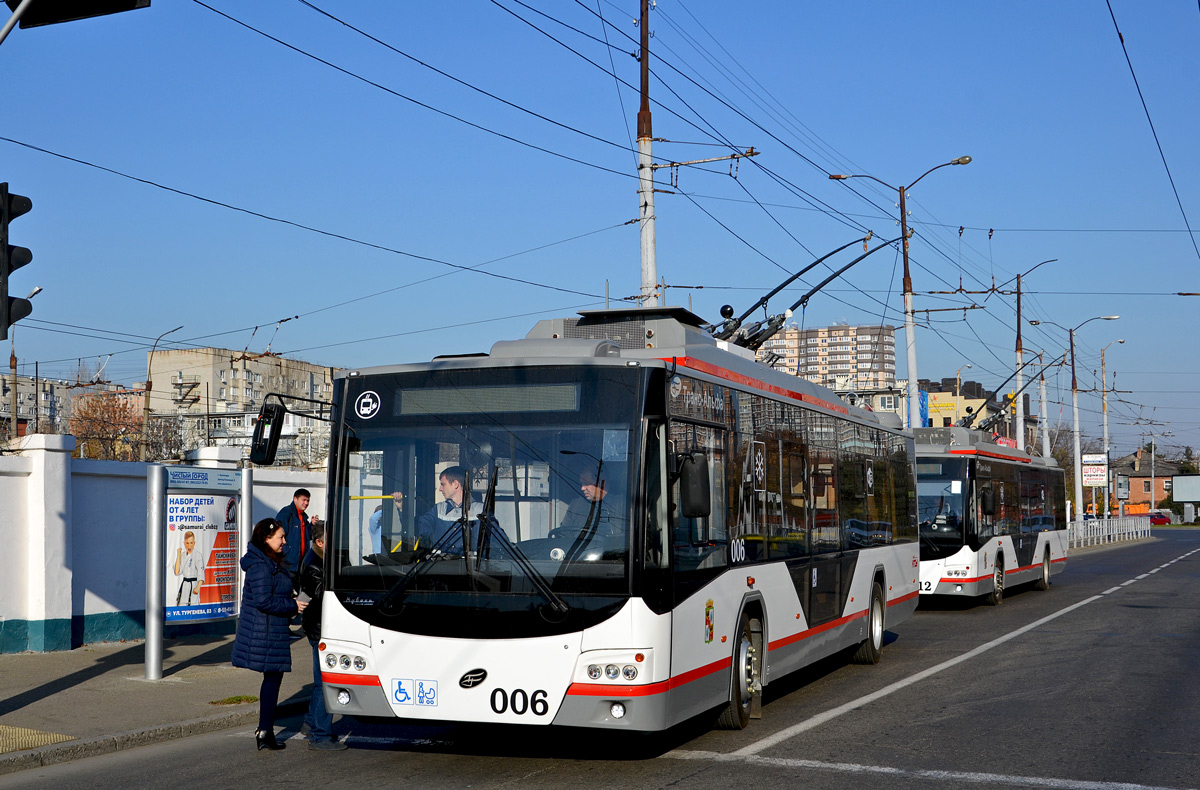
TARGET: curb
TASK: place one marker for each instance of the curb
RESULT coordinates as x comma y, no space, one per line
108,744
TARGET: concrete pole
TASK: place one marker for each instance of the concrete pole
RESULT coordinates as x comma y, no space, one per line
1042,415
910,339
646,173
1075,417
156,564
1020,404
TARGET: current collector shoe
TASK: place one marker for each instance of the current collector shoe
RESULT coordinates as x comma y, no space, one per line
265,739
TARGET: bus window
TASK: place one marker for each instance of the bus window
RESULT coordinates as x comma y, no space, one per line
826,532
792,540
699,546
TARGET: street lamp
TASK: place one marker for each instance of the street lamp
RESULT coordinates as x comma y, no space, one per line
914,404
1075,404
1104,408
150,386
958,390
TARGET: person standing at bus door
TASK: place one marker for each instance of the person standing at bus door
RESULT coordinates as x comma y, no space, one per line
190,566
296,526
318,722
433,525
263,642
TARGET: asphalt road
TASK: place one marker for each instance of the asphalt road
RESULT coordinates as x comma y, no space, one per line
1089,686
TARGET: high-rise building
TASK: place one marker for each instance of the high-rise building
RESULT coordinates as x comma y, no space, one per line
838,357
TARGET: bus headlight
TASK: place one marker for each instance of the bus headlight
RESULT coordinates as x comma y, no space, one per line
594,672
617,710
629,671
612,672
343,697
360,663
331,660
345,662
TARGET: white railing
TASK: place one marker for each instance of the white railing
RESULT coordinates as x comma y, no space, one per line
1099,531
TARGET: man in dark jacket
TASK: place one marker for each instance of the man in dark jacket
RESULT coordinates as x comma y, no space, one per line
318,721
297,528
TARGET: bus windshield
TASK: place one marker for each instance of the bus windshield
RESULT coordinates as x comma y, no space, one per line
941,493
485,502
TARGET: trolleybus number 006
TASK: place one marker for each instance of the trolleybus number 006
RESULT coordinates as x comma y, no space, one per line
520,702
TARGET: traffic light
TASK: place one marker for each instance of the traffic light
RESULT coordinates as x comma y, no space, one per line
51,12
12,258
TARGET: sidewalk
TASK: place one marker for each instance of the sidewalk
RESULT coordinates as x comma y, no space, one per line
62,706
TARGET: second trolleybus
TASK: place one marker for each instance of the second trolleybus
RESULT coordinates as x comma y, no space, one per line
990,516
615,522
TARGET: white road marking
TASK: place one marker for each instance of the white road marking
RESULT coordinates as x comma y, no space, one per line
833,713
953,777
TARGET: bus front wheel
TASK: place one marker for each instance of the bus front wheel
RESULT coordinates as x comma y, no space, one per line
745,681
996,596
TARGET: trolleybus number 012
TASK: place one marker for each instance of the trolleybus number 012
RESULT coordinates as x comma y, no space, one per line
520,702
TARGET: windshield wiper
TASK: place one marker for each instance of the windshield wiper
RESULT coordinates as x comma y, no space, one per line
486,538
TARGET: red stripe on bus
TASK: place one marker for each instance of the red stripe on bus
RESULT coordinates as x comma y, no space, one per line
750,381
993,455
787,640
904,598
616,690
343,679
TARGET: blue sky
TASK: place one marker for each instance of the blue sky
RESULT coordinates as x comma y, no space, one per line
400,174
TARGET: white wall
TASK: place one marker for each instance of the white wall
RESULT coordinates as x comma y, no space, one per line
74,566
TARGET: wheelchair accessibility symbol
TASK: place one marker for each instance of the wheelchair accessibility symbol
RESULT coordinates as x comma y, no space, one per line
406,691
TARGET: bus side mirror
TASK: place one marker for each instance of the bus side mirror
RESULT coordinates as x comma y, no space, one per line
267,429
987,501
693,486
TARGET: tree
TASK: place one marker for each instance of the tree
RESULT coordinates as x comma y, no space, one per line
1188,466
106,426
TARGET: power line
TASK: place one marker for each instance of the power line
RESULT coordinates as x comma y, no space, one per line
1153,131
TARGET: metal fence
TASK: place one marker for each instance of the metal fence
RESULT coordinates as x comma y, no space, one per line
1099,531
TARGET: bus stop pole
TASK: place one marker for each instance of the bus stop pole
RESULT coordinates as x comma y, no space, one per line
156,560
245,526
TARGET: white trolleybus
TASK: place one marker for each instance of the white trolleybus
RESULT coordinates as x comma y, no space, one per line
616,522
990,516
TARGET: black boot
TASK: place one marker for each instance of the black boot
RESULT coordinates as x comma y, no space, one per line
265,739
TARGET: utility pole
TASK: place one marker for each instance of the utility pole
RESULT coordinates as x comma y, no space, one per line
1020,404
1104,408
1042,413
646,172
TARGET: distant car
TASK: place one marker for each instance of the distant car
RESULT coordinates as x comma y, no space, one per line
1158,519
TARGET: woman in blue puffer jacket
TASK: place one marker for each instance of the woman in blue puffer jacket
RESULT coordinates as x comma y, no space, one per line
263,641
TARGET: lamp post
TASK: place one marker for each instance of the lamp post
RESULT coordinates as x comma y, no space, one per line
914,400
958,391
1075,404
13,429
1104,408
150,386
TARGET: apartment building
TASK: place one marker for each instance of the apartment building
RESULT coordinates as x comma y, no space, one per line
852,357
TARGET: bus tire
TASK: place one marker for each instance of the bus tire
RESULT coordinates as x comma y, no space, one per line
1043,582
870,650
744,681
996,596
